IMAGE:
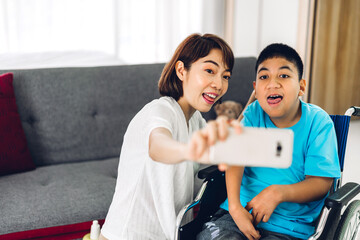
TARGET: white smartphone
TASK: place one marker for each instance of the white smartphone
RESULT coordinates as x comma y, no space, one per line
256,147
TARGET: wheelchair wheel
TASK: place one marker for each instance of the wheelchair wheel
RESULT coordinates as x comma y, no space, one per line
349,225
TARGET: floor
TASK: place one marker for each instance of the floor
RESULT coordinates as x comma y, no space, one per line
352,156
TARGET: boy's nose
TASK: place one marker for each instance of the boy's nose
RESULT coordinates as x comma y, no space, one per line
273,83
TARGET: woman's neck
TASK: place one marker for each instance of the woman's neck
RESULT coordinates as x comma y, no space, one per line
187,109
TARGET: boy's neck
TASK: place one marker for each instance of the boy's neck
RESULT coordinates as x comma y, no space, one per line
290,119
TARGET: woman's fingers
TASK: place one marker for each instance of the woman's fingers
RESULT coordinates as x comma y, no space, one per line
222,127
222,167
196,146
216,130
236,125
211,132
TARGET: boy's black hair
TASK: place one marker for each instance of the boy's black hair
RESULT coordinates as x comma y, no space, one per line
283,51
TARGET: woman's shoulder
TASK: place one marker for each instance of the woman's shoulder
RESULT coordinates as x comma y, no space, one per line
158,112
160,105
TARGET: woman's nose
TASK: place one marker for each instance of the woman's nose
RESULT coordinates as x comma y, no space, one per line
217,82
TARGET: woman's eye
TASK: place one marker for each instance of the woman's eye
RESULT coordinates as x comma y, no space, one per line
227,78
209,71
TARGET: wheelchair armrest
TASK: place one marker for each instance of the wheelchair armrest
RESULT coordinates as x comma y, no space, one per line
343,195
208,172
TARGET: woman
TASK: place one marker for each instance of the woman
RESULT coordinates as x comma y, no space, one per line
156,178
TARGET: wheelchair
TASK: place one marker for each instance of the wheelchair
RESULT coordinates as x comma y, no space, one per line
338,220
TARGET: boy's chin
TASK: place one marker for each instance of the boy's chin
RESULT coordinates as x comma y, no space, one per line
274,114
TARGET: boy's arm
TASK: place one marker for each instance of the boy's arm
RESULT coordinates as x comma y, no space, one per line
311,189
240,215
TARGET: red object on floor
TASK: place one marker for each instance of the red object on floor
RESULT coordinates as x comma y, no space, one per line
66,232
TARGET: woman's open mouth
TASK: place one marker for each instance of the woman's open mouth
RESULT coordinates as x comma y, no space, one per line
274,99
209,97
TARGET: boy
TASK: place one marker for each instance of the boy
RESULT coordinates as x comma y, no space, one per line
280,203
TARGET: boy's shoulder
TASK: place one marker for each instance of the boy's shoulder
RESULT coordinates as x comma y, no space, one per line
313,111
315,119
253,108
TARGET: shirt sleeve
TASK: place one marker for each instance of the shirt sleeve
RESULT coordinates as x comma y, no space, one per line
322,155
160,115
250,114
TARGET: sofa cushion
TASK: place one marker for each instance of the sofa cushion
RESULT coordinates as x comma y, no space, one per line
57,195
14,153
81,114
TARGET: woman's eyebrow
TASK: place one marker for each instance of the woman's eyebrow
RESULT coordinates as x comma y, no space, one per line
216,64
211,61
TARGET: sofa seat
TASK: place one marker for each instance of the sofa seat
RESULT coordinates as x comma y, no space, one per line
55,195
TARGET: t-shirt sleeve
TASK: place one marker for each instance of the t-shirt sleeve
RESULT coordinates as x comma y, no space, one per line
160,115
250,114
322,155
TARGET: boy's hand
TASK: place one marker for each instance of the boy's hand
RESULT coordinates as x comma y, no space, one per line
244,221
264,204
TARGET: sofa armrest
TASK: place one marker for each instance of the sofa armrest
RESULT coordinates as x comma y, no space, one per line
343,195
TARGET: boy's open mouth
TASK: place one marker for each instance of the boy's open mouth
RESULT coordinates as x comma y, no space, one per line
274,99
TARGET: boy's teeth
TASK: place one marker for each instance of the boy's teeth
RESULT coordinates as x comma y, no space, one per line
275,96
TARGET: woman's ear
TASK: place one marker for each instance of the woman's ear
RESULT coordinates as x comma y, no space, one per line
302,87
180,70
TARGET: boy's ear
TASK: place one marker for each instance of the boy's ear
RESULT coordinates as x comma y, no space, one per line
254,86
302,87
180,70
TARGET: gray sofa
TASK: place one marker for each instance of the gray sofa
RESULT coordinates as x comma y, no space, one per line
74,121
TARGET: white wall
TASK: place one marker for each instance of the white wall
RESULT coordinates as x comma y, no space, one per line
261,22
141,31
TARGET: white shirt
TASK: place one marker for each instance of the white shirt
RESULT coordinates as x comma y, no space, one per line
149,194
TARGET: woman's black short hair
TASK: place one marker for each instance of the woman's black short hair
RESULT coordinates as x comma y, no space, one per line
189,51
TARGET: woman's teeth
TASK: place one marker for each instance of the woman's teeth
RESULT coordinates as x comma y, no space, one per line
210,95
209,98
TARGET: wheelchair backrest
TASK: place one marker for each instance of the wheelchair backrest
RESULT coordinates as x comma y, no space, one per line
341,123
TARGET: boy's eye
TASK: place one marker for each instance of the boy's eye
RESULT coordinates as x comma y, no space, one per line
263,77
284,75
227,78
209,71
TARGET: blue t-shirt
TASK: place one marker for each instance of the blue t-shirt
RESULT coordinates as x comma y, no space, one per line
314,153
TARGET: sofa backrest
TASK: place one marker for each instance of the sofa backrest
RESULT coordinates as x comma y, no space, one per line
81,114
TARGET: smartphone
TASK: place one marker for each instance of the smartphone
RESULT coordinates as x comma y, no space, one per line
255,147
